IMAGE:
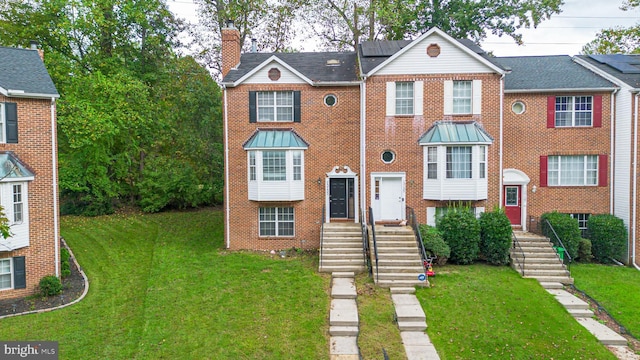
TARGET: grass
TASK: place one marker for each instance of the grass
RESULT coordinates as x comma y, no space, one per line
162,287
480,312
616,288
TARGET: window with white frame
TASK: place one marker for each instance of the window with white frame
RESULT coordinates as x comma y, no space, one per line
5,274
297,165
252,166
2,121
275,106
276,221
573,170
432,162
17,204
462,97
574,111
459,162
274,166
404,98
582,221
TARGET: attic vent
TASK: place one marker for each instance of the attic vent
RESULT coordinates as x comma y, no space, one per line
274,74
333,62
433,50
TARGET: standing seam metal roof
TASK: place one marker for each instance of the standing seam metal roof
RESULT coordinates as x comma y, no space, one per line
275,138
455,132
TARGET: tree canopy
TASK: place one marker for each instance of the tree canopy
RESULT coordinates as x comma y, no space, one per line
618,39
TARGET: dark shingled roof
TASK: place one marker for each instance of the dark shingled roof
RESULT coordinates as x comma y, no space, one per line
373,53
631,79
312,65
22,69
549,73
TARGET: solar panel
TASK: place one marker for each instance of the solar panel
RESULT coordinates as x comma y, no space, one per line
623,63
624,68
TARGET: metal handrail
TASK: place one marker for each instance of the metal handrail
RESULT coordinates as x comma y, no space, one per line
411,215
566,252
322,219
515,243
365,244
373,234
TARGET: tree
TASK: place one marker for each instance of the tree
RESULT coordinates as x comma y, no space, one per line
617,40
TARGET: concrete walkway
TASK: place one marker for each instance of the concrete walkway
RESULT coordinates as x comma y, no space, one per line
412,324
343,318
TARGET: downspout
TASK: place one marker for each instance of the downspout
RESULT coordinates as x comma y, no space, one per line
363,134
501,139
612,151
226,168
54,183
635,181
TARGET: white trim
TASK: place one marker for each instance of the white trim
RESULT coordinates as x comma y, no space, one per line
11,274
226,166
54,183
501,146
448,38
343,172
511,177
418,97
635,183
391,98
391,175
363,140
563,90
263,65
476,97
3,124
448,97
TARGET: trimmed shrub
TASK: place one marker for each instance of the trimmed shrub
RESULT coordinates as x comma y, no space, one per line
567,229
495,236
584,250
608,236
50,285
461,231
434,245
65,268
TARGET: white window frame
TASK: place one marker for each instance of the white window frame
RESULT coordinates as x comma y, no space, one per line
572,106
3,121
273,100
432,162
453,162
404,98
556,166
276,162
253,174
482,162
582,218
278,221
18,203
297,165
462,97
10,273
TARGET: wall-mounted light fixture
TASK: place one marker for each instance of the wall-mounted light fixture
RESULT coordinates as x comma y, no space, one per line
319,181
533,189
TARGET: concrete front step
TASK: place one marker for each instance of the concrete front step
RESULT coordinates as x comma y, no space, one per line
534,272
402,290
343,288
545,266
541,260
399,275
580,313
352,261
605,335
343,330
344,312
568,300
400,262
412,325
561,279
552,285
342,268
337,243
415,269
386,283
396,243
341,251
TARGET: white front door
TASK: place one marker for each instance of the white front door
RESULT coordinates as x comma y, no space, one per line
388,198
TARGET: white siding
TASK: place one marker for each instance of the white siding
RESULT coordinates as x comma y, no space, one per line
452,60
622,161
20,231
262,76
453,189
289,190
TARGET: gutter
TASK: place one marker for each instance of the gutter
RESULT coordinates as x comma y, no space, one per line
564,90
226,167
363,150
501,165
54,184
635,181
612,150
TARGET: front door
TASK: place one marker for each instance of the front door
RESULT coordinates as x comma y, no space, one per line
338,198
513,204
391,198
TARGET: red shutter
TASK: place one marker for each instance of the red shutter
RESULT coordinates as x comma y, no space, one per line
602,170
543,171
551,111
597,111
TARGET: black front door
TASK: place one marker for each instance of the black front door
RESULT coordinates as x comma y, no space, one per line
338,198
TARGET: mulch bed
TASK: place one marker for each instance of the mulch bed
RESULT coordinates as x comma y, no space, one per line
72,288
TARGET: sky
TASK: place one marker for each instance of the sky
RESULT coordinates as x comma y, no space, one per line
563,34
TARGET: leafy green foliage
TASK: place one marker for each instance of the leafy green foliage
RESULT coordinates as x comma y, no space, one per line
584,251
5,229
617,39
565,227
50,285
608,236
495,238
461,231
434,244
65,267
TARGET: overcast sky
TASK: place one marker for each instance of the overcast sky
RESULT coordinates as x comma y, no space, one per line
564,34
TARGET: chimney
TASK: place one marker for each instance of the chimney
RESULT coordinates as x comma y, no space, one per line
254,45
230,47
34,46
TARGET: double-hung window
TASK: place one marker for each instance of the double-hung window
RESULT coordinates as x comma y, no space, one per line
462,92
583,219
17,204
459,162
275,105
5,274
573,170
276,221
274,166
404,98
432,162
573,111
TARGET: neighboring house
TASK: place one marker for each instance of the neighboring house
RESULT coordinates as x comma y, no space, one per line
624,71
28,172
421,124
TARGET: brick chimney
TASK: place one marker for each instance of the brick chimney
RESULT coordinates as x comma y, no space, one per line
230,47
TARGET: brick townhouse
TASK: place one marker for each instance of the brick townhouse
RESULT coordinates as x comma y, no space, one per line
424,123
28,172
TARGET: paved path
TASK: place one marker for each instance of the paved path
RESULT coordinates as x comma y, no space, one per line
412,324
343,318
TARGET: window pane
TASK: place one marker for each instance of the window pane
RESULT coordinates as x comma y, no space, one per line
275,105
432,162
583,109
573,170
404,98
252,166
462,97
274,166
285,221
563,110
5,274
459,162
483,162
511,196
267,221
297,165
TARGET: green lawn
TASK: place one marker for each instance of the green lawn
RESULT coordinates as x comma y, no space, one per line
162,287
616,288
480,312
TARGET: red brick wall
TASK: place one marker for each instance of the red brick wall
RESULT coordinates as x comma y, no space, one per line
230,49
333,137
34,148
526,138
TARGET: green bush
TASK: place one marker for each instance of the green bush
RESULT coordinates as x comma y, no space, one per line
608,236
461,231
584,250
495,236
567,229
434,244
65,268
50,285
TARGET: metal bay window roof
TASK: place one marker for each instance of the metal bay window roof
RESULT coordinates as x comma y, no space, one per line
12,168
275,138
444,132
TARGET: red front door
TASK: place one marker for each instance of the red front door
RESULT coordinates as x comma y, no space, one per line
513,204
